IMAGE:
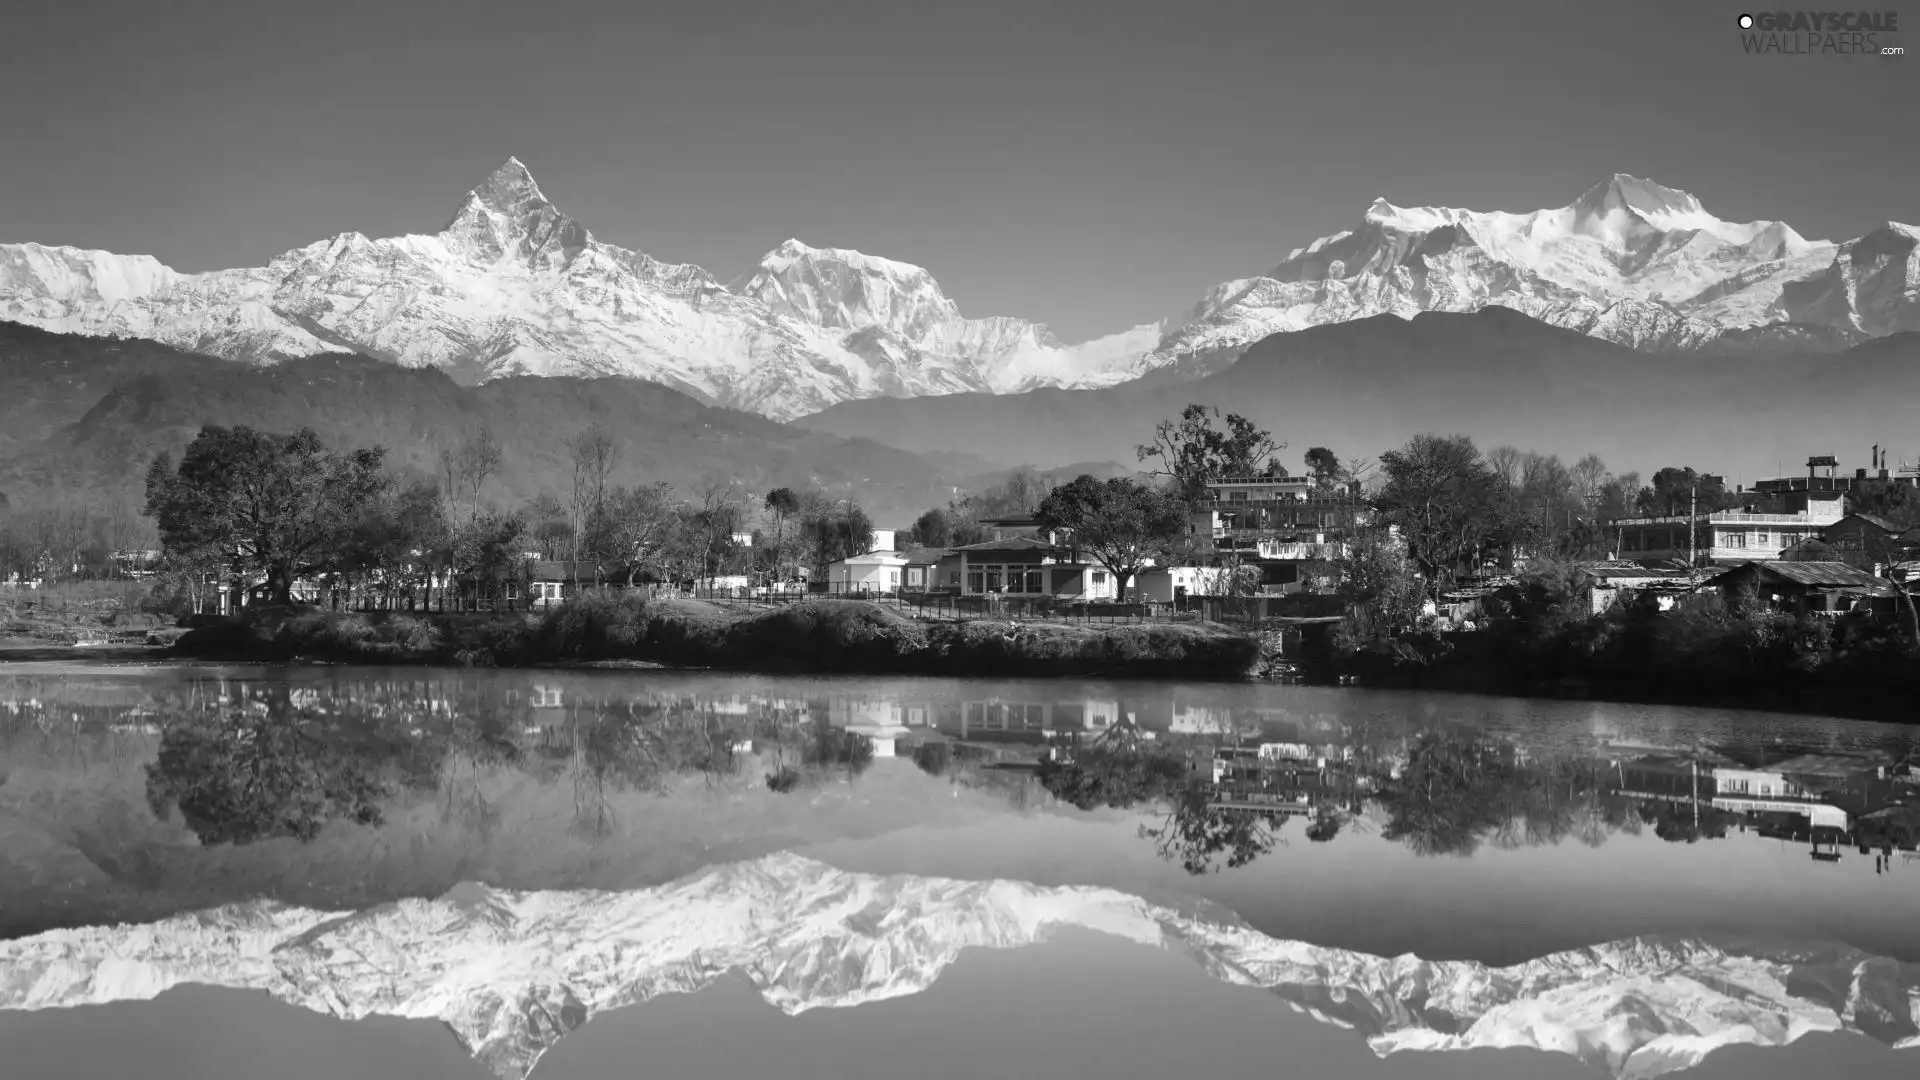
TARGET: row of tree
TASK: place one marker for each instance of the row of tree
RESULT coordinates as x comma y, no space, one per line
286,508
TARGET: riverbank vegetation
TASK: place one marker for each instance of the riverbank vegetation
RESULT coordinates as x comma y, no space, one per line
1512,531
816,636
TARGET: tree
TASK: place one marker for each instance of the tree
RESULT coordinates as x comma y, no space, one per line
1019,493
1378,583
249,776
277,505
1120,522
783,503
1444,499
711,523
467,468
595,455
1675,488
1898,503
1194,451
834,530
1324,467
637,526
1589,477
931,529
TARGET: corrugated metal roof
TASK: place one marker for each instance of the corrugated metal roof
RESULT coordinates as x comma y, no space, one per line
1823,574
1011,543
1878,522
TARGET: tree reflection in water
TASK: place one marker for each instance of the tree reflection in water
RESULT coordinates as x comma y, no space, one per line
1439,792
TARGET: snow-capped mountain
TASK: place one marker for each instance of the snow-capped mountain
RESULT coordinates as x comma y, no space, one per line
514,286
1629,261
511,973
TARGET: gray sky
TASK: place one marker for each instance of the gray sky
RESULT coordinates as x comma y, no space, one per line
1089,165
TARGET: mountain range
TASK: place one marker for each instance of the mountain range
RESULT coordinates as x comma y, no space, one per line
1365,386
514,286
511,973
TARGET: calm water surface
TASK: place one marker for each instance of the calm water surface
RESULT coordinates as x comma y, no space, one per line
1450,826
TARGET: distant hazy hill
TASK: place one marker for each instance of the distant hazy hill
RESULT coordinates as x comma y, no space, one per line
85,415
1364,386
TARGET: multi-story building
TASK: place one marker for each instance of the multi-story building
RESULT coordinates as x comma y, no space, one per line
1774,516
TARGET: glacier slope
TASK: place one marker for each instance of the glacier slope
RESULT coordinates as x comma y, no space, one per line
512,972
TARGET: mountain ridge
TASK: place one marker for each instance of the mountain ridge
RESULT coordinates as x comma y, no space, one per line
80,418
1367,385
510,973
512,285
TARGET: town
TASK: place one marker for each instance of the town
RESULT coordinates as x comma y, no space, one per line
1435,561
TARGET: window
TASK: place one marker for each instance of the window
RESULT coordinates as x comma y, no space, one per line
1035,581
1735,540
913,576
1237,496
993,580
893,578
975,582
1099,577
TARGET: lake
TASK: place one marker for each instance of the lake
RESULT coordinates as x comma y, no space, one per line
1473,833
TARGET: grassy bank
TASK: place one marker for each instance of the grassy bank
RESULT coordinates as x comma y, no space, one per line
816,636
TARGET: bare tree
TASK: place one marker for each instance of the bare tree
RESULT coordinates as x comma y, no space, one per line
465,470
1589,477
595,455
1505,463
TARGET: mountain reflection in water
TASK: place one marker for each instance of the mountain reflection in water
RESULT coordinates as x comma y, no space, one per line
179,786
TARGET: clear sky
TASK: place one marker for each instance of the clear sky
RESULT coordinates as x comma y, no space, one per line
1089,165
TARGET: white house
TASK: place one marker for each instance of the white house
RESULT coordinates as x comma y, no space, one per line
1772,791
869,572
884,736
1161,584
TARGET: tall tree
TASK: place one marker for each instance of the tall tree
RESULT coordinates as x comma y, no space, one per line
1445,500
637,526
1193,450
1673,489
595,454
931,529
784,504
277,505
1324,467
1120,522
835,529
466,468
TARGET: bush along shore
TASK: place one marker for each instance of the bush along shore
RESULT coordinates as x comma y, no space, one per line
823,636
1707,651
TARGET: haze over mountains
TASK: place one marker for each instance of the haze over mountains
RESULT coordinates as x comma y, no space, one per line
1366,386
514,286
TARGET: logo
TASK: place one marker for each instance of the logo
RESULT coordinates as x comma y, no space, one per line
1821,33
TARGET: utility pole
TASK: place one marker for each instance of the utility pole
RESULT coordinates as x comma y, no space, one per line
1693,510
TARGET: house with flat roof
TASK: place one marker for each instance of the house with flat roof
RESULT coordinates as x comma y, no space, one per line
870,572
1028,566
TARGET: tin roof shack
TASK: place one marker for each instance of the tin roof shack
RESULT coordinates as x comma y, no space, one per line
1610,583
1811,587
1864,541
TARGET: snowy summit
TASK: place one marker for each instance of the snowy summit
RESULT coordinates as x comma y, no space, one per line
514,286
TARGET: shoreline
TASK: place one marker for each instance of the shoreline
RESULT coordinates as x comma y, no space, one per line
824,636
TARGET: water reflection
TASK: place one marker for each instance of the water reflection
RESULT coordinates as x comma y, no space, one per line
419,778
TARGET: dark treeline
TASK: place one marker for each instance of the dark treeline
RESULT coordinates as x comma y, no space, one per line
286,510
